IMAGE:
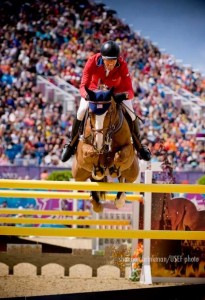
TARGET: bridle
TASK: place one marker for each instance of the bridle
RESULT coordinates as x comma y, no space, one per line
107,132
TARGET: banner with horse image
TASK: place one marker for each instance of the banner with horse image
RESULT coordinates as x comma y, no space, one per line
178,258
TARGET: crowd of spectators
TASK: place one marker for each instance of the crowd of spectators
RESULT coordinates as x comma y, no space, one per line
53,37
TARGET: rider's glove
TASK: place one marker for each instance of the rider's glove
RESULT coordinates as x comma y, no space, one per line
120,97
87,98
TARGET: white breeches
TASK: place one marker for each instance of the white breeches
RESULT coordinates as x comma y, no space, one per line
129,108
82,109
84,105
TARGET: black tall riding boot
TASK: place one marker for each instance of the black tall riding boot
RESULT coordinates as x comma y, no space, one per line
69,149
143,151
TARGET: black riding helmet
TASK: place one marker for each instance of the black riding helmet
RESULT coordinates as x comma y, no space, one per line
110,50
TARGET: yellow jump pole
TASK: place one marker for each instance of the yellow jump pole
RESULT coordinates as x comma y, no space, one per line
11,211
60,195
104,233
22,220
95,186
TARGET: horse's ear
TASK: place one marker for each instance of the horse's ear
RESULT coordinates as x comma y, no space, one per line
109,93
87,89
112,90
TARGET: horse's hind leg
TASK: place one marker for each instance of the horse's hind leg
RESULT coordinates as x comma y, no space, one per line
95,198
95,201
121,196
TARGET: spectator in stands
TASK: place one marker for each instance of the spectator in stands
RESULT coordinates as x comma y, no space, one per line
60,46
4,204
110,70
44,175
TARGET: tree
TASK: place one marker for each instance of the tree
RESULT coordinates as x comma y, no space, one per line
60,175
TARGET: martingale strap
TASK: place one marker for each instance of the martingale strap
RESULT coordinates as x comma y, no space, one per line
121,117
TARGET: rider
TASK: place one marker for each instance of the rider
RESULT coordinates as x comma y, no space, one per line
107,69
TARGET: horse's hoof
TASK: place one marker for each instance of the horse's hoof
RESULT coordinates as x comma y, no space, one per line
114,171
98,177
120,200
97,207
119,203
98,172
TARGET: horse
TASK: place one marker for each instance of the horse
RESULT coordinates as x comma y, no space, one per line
178,214
105,147
185,216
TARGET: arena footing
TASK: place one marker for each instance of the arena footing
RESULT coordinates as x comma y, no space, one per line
178,292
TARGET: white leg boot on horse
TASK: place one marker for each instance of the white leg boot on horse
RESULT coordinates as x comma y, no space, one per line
69,149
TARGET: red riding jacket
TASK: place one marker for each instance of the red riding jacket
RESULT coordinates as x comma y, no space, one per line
94,75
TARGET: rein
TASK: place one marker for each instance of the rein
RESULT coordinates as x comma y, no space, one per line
109,131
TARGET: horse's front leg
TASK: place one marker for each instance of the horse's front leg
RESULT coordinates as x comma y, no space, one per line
124,157
95,201
98,172
114,171
121,196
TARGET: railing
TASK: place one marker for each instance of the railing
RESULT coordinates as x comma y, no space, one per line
53,93
183,99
